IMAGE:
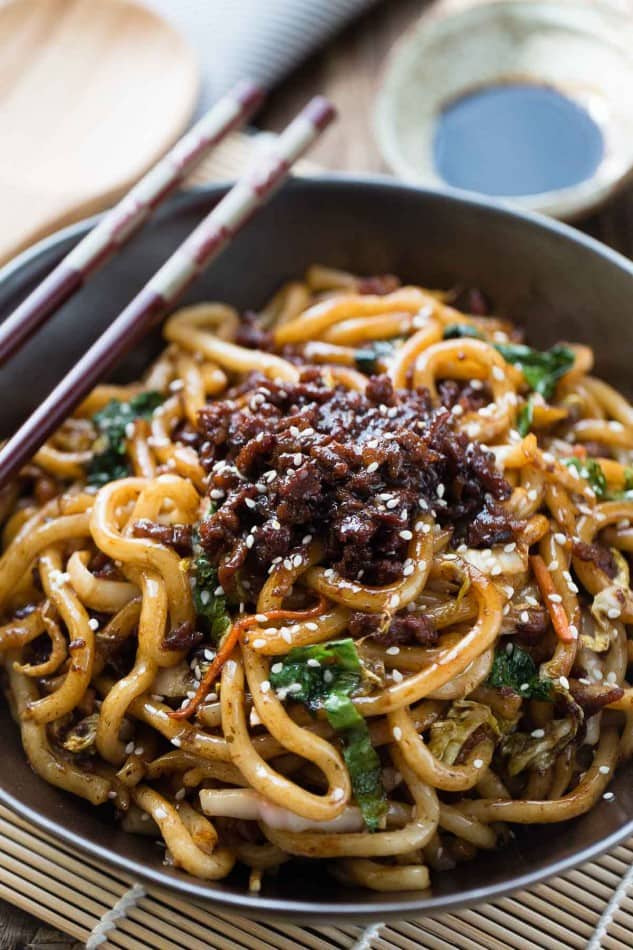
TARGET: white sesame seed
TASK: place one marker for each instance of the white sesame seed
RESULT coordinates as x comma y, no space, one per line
613,613
524,616
457,410
553,565
560,538
338,795
440,490
478,763
285,635
497,373
393,651
496,570
219,591
112,793
393,503
612,677
608,796
394,601
564,682
311,625
406,535
306,539
372,467
604,769
508,548
573,629
532,494
524,687
259,643
176,741
93,623
129,749
397,676
265,686
313,662
555,598
537,733
397,733
139,750
408,569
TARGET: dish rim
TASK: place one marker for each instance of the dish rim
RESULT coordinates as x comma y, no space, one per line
281,908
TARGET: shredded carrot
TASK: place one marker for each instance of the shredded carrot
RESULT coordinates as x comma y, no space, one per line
557,613
579,450
229,643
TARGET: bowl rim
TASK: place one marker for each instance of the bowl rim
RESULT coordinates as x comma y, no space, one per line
261,905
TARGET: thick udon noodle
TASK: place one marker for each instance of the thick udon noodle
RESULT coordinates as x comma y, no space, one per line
248,759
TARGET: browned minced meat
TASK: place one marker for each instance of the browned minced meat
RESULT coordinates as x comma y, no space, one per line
380,285
411,628
176,536
598,555
364,625
408,629
183,637
454,392
251,334
354,470
493,525
592,697
530,630
101,565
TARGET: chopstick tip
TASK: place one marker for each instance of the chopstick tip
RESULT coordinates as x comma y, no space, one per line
249,94
320,111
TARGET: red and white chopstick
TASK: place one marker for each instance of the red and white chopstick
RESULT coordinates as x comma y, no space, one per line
161,292
117,226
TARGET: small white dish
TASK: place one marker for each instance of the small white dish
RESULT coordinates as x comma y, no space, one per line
579,49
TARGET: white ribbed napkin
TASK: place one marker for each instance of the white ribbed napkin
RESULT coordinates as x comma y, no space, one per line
261,39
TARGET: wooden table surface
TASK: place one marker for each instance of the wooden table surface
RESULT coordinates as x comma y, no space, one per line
349,72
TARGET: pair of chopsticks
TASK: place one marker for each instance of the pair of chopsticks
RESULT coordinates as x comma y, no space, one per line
197,251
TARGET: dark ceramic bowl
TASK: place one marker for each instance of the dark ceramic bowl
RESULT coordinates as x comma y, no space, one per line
548,277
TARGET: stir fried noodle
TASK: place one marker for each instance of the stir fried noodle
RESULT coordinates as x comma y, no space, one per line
346,578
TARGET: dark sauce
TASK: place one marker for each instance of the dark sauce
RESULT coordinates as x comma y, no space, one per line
516,139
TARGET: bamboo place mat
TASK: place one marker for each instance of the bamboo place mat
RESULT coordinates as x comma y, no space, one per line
589,908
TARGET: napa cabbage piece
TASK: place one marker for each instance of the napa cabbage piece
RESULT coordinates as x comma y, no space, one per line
525,417
368,357
591,471
455,331
514,668
541,369
448,735
81,738
109,461
526,751
325,676
210,607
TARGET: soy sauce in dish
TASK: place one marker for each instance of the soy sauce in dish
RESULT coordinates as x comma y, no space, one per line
516,139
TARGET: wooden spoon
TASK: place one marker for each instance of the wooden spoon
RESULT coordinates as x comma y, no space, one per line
92,92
